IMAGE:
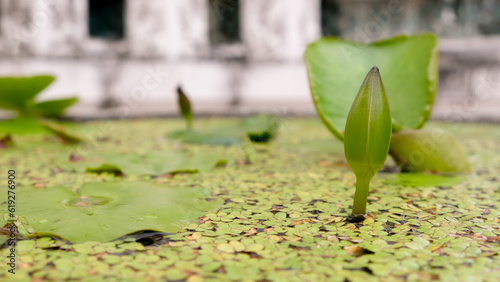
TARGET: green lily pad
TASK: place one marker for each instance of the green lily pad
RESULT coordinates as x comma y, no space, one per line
259,129
106,211
17,93
431,150
152,163
54,108
324,146
22,125
408,66
216,137
32,125
422,179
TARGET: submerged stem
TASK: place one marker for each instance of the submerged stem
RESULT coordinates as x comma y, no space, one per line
361,195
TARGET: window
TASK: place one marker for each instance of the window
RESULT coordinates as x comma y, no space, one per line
443,17
330,15
224,17
489,17
106,19
454,18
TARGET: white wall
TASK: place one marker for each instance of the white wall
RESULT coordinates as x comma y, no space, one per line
171,39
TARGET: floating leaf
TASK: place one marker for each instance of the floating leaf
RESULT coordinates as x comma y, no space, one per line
174,162
17,93
185,107
321,146
32,125
260,129
249,150
423,179
152,163
216,137
367,135
53,108
22,125
106,211
431,150
336,66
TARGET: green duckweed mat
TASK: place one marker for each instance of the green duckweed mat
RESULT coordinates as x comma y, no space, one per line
284,214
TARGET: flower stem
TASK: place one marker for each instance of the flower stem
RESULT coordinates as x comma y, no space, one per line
361,195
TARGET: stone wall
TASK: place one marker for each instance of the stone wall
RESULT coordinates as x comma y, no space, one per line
167,43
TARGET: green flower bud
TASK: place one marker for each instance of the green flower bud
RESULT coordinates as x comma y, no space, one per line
367,135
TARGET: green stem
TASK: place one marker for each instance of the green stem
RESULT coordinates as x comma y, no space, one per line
361,195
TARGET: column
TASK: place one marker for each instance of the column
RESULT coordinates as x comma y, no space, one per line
59,27
16,25
173,29
279,29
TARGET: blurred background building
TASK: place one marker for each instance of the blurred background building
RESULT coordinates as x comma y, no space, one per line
125,58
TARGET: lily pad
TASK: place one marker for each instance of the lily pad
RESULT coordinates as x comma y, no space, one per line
106,211
17,93
260,129
152,163
216,137
54,108
22,125
408,66
324,146
422,179
32,125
